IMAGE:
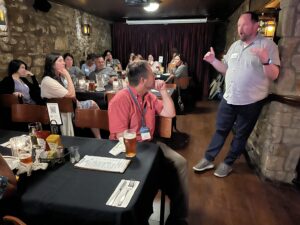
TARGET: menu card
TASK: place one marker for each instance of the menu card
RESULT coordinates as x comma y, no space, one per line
103,164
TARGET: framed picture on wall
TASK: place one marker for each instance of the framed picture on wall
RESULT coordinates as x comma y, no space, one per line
3,16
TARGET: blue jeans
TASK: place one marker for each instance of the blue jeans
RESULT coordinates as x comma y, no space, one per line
243,117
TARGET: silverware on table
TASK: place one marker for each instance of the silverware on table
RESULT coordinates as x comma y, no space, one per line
128,188
118,192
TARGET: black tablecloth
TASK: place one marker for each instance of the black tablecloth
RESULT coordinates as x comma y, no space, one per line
67,195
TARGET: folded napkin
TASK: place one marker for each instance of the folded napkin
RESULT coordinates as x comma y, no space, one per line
6,144
123,193
28,168
118,148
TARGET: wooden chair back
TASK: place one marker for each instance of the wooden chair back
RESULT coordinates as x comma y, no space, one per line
109,96
91,118
171,86
182,82
65,105
7,100
27,113
163,126
13,220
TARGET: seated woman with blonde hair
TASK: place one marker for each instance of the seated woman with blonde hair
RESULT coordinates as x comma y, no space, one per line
57,83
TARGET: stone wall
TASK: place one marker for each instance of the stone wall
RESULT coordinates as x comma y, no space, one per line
33,34
274,145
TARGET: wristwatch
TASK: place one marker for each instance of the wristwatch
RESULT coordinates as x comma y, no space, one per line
268,62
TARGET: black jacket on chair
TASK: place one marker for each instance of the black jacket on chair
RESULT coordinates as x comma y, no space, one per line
7,86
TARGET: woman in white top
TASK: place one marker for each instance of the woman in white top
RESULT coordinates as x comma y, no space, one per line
57,83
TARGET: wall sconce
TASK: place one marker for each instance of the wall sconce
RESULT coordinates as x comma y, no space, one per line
270,28
86,29
267,27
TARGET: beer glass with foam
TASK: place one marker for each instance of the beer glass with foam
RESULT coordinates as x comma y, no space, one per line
130,143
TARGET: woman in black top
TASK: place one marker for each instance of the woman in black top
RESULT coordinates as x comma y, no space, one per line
16,83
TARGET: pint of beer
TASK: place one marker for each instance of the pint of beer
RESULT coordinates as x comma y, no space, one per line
25,158
130,143
92,86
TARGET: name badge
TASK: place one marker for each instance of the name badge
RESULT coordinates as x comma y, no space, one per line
234,55
145,133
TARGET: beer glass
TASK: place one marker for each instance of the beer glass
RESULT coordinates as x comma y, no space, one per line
92,86
130,143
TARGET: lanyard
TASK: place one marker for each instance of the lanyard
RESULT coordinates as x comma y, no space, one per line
139,107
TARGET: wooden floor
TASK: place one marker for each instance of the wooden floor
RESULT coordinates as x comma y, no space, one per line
242,198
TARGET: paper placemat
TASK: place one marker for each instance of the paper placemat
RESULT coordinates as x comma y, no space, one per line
103,164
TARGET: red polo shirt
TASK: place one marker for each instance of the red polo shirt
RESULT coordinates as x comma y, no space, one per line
123,113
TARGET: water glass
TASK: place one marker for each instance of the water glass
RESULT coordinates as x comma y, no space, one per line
99,81
105,79
33,129
120,83
74,154
115,85
21,147
81,83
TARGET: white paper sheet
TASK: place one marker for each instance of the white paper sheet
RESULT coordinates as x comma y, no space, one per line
118,148
103,164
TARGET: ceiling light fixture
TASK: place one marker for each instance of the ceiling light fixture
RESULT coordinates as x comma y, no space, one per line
153,6
170,21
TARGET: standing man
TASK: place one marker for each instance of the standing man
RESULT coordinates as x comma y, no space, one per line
135,108
249,66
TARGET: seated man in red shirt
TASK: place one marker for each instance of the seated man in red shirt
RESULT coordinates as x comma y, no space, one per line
135,108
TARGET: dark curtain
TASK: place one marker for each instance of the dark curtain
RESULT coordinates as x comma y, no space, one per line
191,40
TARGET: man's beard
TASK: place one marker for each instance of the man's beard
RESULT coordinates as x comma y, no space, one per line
244,37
